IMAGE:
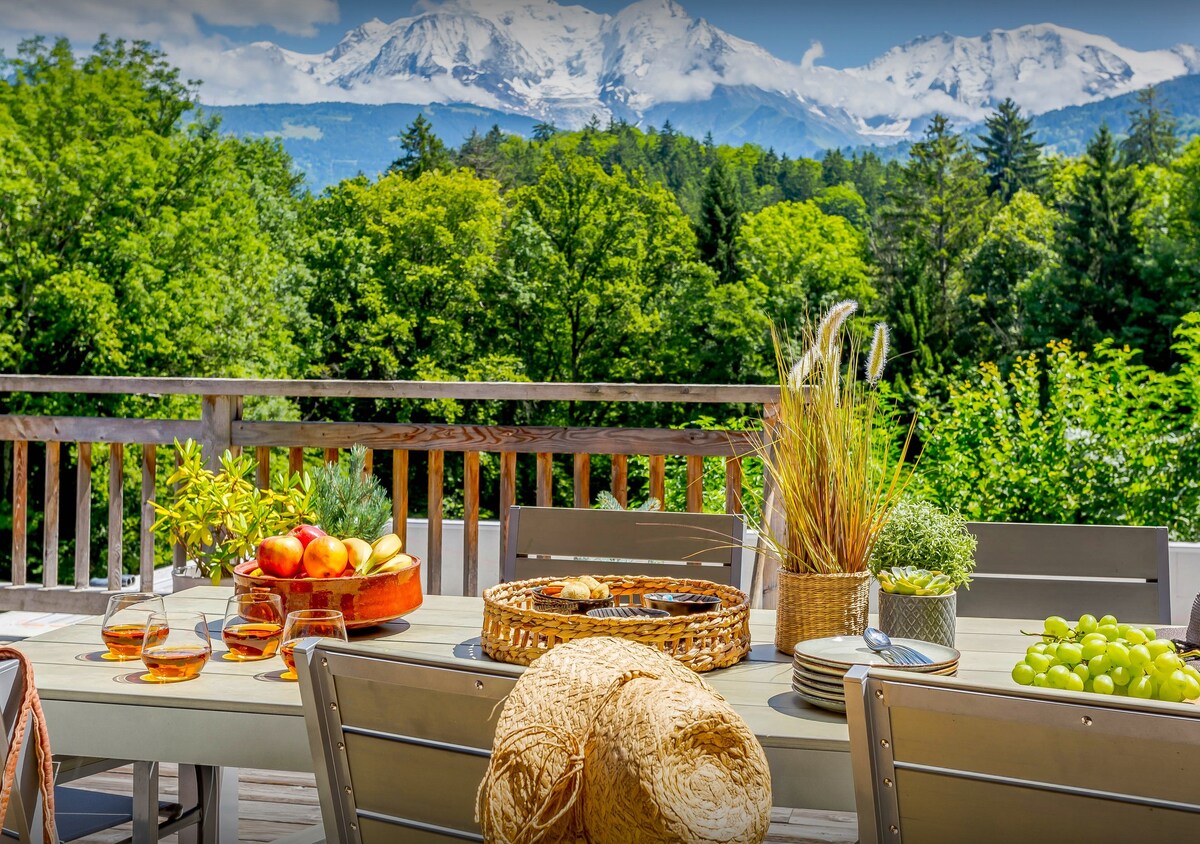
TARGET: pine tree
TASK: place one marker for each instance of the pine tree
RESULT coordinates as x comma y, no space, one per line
1011,157
1097,292
834,168
924,236
720,222
543,132
1153,136
422,150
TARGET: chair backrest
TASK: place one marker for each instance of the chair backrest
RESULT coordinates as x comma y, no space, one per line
1036,570
937,759
562,541
399,745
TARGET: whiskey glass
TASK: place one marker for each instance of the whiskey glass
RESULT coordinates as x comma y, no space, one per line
124,626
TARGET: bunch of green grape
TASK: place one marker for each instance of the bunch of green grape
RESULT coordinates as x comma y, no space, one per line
1107,658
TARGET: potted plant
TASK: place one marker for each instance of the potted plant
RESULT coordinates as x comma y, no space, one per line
921,558
834,474
220,517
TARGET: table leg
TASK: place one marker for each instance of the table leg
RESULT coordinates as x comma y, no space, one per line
145,803
215,790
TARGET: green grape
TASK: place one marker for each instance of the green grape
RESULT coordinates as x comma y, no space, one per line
1099,664
1103,684
1091,649
1082,670
1040,681
1120,676
1074,683
1039,648
1087,623
1150,633
1139,655
1170,693
1119,654
1070,653
1057,676
1039,662
1191,671
1166,662
1108,619
1135,636
1123,630
1023,674
1157,647
1142,687
1191,687
1093,637
1110,632
1056,626
1177,679
1051,649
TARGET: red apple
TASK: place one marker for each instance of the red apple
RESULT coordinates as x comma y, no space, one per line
280,556
306,533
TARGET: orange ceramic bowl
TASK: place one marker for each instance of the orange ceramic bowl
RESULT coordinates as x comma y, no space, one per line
365,600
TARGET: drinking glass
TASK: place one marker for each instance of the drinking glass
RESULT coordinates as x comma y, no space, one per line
124,625
253,625
303,624
177,645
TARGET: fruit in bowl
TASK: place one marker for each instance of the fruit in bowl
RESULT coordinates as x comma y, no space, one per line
280,556
369,592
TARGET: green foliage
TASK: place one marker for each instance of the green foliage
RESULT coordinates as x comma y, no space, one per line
220,517
1012,159
720,221
421,150
1153,132
1071,437
920,535
347,501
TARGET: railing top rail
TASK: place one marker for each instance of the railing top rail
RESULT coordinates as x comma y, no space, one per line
462,390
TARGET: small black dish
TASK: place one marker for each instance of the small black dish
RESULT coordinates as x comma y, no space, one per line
682,603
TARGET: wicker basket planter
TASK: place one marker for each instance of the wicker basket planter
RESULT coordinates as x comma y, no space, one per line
815,605
513,631
929,618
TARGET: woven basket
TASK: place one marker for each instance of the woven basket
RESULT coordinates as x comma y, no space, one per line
608,742
815,605
513,631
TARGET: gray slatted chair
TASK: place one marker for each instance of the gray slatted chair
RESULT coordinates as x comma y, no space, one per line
399,745
78,812
562,541
937,759
1078,568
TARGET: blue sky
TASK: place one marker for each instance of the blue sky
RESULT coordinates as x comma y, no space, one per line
851,31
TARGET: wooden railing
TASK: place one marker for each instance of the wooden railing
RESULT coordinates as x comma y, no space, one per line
221,427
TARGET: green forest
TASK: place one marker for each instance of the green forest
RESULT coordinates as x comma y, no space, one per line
1040,305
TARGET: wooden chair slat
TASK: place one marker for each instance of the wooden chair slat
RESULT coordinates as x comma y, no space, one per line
471,523
582,480
20,502
146,538
116,505
50,525
433,565
83,514
400,495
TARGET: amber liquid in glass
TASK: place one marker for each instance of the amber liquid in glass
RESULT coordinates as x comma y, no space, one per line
125,641
253,640
174,662
289,658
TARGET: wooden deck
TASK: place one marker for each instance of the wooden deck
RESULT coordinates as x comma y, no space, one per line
278,803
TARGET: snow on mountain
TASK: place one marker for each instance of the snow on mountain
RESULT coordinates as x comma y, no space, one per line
566,63
1042,67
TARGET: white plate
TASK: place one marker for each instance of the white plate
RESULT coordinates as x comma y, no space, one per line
821,703
844,651
840,670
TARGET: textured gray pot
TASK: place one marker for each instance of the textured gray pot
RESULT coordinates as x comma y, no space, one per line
929,618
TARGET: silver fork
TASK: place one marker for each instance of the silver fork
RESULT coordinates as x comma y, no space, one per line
879,642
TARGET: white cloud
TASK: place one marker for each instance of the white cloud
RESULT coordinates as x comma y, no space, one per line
812,55
84,20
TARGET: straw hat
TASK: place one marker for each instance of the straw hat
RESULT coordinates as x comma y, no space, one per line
607,741
1189,635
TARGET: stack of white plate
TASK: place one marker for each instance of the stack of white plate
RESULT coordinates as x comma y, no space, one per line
820,664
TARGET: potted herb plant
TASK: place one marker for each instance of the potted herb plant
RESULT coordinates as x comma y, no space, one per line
835,476
220,517
922,556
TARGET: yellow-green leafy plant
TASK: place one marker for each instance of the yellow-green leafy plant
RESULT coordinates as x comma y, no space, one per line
220,517
827,452
923,550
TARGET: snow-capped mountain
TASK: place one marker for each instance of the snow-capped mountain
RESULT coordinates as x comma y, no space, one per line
1042,67
563,64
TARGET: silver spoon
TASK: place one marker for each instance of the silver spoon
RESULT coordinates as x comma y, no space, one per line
880,642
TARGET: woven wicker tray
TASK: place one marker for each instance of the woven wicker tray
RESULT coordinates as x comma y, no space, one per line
513,631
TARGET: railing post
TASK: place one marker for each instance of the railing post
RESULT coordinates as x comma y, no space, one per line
764,583
217,415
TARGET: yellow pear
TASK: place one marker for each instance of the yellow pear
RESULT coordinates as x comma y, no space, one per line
358,550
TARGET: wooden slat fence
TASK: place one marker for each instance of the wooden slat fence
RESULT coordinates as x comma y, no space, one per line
221,427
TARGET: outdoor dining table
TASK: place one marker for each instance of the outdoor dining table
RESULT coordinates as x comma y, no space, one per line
241,714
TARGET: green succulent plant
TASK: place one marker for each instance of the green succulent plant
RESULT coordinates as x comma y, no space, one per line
922,550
